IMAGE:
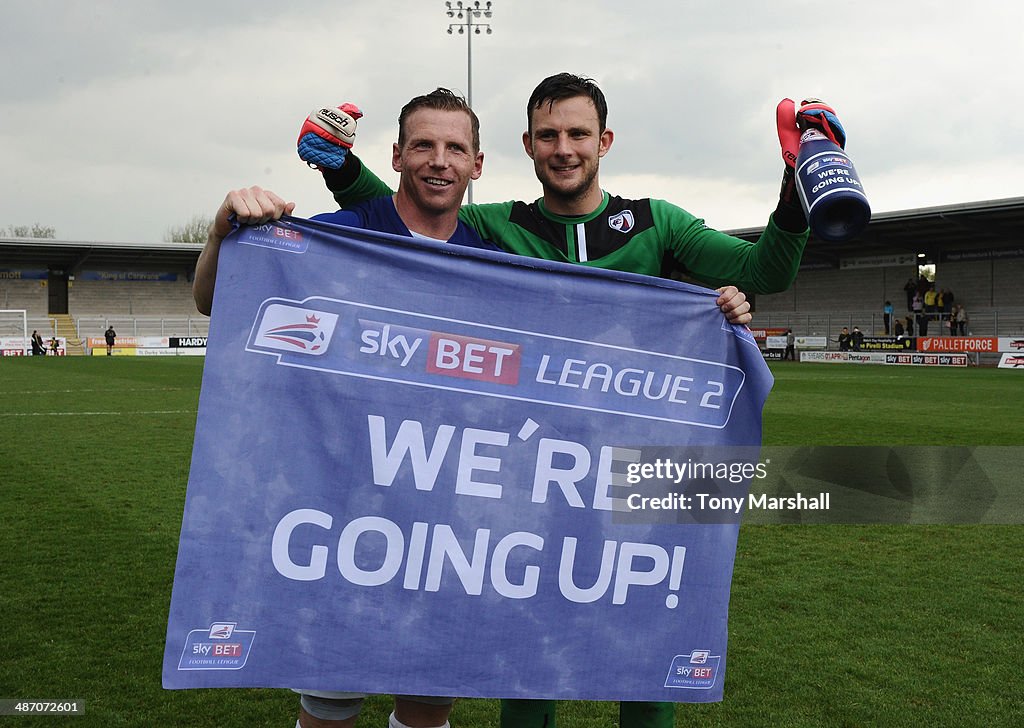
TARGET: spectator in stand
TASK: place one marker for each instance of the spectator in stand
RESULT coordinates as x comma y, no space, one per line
961,319
844,339
931,297
38,347
948,301
790,352
910,288
897,329
919,316
910,325
951,323
887,316
856,338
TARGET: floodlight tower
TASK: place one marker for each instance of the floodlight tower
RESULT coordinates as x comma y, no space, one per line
466,17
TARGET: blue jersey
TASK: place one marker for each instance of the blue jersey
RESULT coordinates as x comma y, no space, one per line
380,214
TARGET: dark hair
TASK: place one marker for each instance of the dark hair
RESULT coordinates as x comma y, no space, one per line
563,86
440,99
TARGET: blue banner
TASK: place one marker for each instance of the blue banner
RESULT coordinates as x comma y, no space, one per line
111,275
410,466
6,274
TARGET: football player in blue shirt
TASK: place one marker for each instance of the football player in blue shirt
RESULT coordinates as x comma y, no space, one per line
437,154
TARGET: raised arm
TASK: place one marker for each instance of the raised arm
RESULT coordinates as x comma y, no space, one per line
325,142
250,206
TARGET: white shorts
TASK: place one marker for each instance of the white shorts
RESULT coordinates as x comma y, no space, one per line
340,705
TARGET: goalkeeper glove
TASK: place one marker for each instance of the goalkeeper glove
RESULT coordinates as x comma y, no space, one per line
327,135
812,114
791,123
816,114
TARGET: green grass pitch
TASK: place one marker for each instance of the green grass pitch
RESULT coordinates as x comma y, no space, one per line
829,625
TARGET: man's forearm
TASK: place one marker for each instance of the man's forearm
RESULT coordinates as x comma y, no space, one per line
206,274
354,183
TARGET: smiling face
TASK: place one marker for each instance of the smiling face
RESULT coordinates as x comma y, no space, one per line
566,143
436,160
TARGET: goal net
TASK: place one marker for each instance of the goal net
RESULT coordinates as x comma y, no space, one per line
14,332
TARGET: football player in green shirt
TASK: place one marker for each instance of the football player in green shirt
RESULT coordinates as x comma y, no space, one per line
576,221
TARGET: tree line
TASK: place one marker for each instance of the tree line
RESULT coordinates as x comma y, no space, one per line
193,231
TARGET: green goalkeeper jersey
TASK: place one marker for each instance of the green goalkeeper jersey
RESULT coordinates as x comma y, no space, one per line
647,236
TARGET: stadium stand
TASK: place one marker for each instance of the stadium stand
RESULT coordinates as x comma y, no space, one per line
26,294
76,289
979,284
983,322
30,296
132,298
974,249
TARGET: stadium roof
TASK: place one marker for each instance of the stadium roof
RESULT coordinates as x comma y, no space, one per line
74,255
967,227
934,231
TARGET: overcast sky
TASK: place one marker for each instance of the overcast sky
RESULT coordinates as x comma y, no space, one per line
120,119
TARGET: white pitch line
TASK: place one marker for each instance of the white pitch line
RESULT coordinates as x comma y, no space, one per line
81,391
73,414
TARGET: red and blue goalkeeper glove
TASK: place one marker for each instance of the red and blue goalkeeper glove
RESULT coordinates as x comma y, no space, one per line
812,114
327,135
791,123
816,114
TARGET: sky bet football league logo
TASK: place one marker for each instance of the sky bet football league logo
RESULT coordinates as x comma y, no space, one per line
296,330
696,671
220,647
